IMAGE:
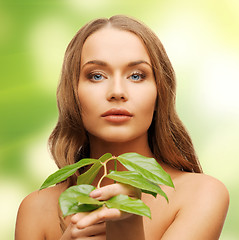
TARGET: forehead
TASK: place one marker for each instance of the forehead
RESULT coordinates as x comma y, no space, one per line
114,45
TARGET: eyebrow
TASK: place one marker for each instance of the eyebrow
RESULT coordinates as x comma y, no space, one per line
131,64
104,64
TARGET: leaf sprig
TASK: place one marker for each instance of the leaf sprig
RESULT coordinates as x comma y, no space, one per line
143,173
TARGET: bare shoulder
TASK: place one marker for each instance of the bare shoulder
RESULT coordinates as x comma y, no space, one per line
41,200
203,199
203,187
37,212
200,202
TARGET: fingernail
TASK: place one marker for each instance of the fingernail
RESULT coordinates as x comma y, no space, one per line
96,193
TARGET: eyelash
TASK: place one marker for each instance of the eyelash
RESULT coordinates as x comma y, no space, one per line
91,76
141,75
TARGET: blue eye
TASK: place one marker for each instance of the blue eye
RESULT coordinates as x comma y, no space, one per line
97,77
137,76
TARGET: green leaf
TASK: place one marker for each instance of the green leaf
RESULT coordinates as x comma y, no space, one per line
136,180
147,167
65,172
105,157
148,192
85,199
127,204
76,199
89,176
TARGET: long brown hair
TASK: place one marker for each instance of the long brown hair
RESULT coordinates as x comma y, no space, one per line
168,138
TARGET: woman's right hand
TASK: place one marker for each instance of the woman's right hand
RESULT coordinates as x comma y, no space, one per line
96,231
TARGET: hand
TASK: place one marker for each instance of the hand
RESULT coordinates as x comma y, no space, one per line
104,214
119,223
92,224
94,232
112,190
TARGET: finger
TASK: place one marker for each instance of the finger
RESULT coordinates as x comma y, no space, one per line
112,190
96,229
100,215
76,217
91,231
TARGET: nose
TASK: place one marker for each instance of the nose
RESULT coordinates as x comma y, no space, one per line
117,90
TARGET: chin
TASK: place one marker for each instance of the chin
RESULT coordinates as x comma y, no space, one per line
121,138
117,139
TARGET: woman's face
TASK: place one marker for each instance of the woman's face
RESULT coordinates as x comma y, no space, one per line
117,90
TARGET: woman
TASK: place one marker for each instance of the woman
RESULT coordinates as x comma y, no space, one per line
117,95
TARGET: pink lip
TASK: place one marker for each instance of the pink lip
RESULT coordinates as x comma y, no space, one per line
117,115
117,111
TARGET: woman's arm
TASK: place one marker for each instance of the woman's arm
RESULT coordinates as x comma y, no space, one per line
203,210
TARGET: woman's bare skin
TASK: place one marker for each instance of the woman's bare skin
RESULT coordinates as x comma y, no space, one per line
196,199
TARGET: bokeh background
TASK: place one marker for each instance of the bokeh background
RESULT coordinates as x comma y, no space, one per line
202,41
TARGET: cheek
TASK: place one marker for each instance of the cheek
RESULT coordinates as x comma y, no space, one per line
89,102
87,99
85,105
86,113
148,100
145,105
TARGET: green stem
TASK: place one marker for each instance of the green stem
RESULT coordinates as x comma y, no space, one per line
105,170
115,164
105,173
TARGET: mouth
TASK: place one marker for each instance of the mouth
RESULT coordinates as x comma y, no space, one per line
117,115
117,111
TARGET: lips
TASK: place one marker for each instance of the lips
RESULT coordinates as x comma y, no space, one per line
117,115
117,111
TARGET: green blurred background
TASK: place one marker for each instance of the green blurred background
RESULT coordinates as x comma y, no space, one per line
202,41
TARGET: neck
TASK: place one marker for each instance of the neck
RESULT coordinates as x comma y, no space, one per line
99,147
